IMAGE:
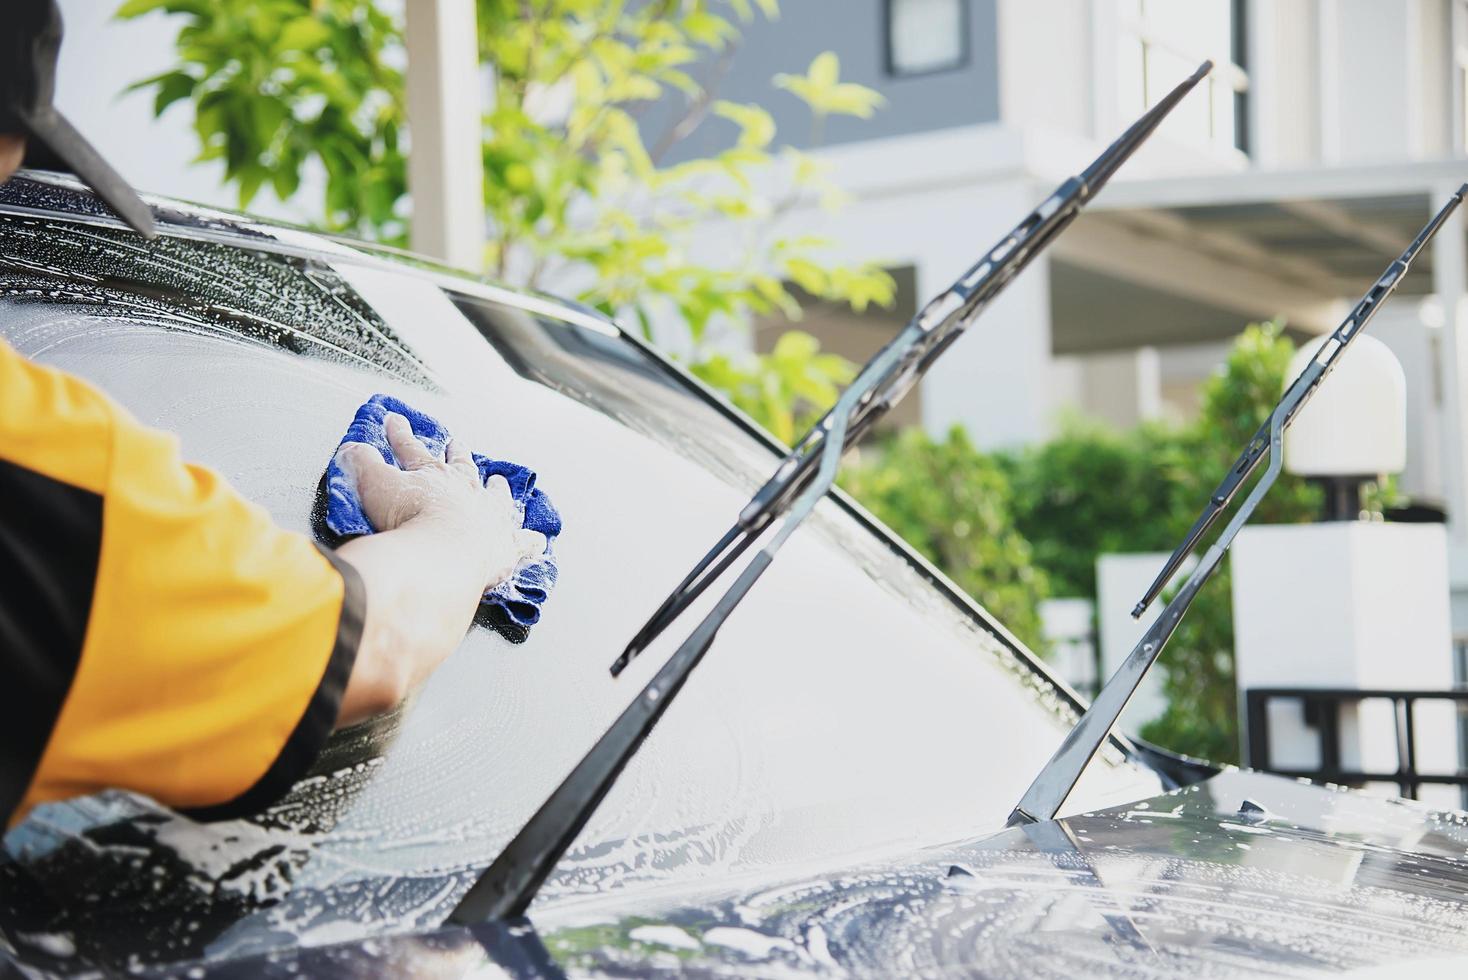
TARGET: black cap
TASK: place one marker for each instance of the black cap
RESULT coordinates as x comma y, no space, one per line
29,45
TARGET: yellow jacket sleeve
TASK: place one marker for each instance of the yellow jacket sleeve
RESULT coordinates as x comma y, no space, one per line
167,637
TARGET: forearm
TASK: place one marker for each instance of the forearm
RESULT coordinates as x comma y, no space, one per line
444,534
422,589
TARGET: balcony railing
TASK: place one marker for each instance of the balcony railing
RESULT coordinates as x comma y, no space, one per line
1322,707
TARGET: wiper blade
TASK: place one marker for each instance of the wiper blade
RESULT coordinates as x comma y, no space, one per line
506,888
1249,460
1054,783
936,326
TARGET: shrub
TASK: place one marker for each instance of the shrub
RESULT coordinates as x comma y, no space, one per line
1012,528
1093,490
953,504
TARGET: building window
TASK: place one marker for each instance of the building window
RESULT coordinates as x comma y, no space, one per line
1160,42
926,36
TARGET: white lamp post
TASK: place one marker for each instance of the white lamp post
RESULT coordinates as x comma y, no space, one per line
1346,603
1355,427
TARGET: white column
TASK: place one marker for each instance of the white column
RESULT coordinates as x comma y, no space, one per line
1121,388
1448,282
445,163
1066,625
1349,604
1120,579
995,379
1362,113
1284,84
1403,326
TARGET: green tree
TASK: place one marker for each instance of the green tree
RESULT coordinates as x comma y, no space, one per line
573,192
1093,490
788,390
953,504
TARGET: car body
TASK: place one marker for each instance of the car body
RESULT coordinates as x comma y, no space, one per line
828,795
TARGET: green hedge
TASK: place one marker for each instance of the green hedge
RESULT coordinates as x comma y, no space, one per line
1015,528
954,504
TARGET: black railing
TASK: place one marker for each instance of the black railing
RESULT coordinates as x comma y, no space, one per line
1322,712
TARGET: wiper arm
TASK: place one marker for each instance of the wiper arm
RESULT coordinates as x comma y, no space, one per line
506,888
1050,788
895,368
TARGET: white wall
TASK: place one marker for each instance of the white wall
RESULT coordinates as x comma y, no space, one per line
1356,34
100,58
938,202
1284,75
1384,83
1347,605
1430,77
1046,64
1121,388
995,380
1403,328
1120,580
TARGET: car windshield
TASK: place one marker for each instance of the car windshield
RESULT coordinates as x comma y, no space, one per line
851,706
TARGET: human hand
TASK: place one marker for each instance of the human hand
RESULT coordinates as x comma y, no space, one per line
442,495
12,153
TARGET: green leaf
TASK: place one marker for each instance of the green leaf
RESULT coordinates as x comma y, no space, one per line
172,87
824,70
136,8
863,287
285,181
708,28
807,275
852,100
795,346
303,34
821,89
250,180
775,293
148,82
757,127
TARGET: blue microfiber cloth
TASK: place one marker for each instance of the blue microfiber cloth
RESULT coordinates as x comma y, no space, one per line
511,607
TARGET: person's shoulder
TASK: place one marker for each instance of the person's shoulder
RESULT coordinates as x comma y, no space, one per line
54,423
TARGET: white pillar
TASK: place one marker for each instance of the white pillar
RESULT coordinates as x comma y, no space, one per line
995,379
1348,604
1066,626
1449,281
1404,328
445,162
1120,579
1121,388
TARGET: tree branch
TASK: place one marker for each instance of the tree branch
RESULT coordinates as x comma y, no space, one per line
698,110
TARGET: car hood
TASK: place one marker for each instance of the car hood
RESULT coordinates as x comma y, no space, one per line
1245,874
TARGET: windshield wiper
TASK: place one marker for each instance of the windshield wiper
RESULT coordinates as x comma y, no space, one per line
506,888
1050,788
896,367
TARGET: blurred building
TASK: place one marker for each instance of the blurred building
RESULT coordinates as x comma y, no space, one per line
1326,135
